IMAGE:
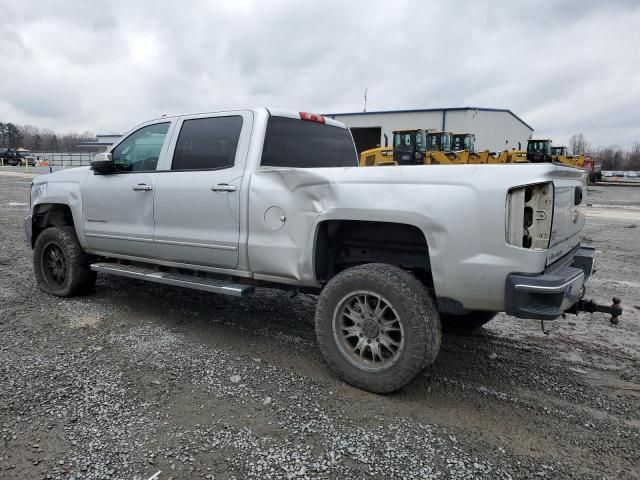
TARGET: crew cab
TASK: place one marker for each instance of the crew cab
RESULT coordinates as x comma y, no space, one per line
229,201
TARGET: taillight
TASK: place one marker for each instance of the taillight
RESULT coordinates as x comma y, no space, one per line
529,216
311,117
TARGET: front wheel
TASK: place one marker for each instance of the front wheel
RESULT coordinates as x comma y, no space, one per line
60,265
377,327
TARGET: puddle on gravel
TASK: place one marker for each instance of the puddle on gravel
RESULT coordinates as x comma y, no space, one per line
612,384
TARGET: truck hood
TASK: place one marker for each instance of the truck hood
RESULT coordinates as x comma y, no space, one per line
68,174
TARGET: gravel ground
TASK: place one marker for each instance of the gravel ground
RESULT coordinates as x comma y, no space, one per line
139,378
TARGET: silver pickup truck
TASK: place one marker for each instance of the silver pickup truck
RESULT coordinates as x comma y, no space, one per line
229,201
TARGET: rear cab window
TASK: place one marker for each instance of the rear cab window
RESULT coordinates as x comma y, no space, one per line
295,143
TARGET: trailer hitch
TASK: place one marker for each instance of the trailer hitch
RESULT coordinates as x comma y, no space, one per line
615,310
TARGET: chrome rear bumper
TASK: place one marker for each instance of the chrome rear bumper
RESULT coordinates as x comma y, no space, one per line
548,295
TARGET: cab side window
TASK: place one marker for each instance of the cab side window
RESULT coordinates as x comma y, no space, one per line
140,150
207,143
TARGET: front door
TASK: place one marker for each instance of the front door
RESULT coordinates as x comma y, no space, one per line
118,207
198,193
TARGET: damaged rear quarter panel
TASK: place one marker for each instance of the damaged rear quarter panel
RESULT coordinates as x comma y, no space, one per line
459,209
310,196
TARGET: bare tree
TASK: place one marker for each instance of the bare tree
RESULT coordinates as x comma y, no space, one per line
36,138
579,144
633,162
53,143
612,157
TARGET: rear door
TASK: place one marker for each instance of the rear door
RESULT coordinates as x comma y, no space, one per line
197,201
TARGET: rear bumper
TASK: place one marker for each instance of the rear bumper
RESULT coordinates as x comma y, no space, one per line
547,295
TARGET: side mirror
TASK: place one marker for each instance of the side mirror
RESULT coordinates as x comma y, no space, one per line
102,163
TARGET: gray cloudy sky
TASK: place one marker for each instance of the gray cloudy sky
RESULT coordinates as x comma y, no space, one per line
563,66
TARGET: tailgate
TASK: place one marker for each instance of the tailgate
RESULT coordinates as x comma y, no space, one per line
569,211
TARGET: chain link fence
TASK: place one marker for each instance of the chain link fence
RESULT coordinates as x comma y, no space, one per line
62,160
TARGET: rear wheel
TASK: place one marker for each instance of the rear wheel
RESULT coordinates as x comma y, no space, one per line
377,327
467,323
60,265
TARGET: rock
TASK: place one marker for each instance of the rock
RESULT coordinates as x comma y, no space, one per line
235,378
266,401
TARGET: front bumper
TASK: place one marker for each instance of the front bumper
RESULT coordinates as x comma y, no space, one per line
548,295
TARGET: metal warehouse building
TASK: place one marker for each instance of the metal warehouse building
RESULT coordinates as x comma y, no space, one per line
495,129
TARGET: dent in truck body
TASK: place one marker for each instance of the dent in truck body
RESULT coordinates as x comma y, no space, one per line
467,269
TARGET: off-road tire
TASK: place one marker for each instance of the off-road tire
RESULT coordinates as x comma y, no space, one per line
467,323
416,311
78,278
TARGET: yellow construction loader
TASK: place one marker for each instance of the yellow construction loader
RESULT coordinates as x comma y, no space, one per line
376,157
539,150
516,156
561,154
408,149
542,150
462,151
433,148
424,147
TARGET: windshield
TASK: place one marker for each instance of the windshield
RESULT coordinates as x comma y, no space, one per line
445,142
538,146
433,142
440,141
403,140
559,151
420,141
462,142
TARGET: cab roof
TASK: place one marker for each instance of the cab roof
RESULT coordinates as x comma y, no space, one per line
275,112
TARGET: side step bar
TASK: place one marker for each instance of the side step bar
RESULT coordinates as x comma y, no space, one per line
177,279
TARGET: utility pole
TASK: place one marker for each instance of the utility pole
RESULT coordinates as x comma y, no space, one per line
365,100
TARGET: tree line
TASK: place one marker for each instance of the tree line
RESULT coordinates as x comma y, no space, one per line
39,139
612,157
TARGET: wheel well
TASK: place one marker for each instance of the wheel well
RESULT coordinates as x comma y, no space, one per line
341,244
47,215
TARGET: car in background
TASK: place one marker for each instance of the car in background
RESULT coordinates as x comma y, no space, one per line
15,158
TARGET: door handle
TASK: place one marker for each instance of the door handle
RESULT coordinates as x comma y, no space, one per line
141,187
224,187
